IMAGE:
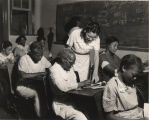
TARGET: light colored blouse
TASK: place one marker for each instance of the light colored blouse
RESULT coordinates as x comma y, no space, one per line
4,58
64,80
19,51
77,42
122,99
27,65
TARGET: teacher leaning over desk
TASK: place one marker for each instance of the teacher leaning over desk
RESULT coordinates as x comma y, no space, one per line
82,41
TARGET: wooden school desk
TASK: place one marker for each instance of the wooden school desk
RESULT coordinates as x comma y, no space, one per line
89,101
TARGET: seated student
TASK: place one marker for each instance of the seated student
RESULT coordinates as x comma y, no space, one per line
6,55
21,48
46,53
32,65
64,79
120,99
108,60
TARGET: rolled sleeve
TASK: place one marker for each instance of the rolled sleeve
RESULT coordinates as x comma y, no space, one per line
73,36
22,66
96,44
104,64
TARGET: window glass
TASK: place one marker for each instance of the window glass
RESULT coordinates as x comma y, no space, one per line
17,3
25,4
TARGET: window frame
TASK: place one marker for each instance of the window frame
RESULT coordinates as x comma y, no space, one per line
29,10
20,8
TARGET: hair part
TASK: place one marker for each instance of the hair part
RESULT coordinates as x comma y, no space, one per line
129,60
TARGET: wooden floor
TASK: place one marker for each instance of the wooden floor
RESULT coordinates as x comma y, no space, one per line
6,115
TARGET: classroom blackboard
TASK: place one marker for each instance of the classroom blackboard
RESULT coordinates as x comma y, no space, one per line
127,20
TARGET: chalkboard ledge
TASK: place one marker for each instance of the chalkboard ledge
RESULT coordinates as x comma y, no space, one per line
120,47
131,48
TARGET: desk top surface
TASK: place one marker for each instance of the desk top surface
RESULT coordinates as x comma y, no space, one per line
86,91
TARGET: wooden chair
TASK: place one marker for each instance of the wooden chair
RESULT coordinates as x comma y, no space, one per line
24,107
4,86
49,93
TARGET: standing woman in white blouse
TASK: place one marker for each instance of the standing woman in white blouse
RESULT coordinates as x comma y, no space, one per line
82,42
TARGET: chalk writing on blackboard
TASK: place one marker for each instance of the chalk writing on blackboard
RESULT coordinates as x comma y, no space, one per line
127,20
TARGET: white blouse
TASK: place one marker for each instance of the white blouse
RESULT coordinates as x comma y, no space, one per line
4,58
64,80
77,42
27,65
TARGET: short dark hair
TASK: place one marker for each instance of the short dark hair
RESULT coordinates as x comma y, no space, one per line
111,39
6,44
129,60
35,45
66,58
90,27
19,39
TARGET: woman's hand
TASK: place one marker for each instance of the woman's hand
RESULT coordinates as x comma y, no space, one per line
95,78
84,83
87,82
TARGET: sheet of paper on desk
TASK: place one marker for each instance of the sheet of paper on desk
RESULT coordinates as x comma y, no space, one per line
94,86
78,89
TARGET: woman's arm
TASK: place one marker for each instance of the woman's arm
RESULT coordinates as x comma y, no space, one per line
111,116
31,75
95,77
